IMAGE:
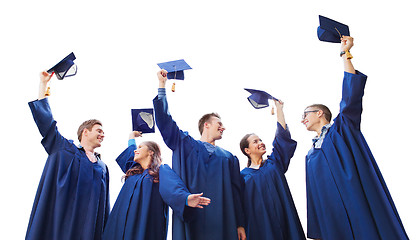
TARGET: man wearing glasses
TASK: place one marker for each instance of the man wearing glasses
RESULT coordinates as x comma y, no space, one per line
347,197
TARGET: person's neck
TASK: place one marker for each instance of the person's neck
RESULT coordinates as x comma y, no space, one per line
90,152
320,128
208,139
145,163
255,162
87,147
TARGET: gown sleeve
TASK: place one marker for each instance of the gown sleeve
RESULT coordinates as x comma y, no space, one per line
283,148
237,190
174,193
352,93
52,140
172,135
125,160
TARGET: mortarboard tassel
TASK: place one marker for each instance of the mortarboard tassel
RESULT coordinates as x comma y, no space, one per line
173,86
272,110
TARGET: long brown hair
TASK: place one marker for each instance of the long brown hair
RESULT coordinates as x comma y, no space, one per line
153,168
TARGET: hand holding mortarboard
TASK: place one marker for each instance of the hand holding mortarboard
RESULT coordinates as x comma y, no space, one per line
347,43
44,77
174,70
135,134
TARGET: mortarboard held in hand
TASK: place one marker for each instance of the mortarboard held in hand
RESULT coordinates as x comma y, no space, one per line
259,99
65,68
143,120
175,70
331,30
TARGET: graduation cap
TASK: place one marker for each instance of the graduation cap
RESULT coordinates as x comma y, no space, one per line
175,70
259,99
143,120
330,30
65,68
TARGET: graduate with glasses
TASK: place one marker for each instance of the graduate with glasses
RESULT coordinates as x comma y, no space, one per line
347,197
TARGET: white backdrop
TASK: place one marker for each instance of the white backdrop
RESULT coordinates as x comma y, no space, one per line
231,45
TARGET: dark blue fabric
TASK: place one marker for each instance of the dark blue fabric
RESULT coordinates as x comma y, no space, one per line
174,193
347,197
72,201
216,175
139,212
268,204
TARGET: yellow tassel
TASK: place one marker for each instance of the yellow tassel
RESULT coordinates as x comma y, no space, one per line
173,87
48,92
348,55
272,110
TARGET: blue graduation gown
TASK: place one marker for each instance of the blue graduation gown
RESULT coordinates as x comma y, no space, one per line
347,197
217,175
139,211
268,204
72,201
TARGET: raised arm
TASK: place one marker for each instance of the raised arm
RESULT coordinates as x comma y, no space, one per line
41,112
352,87
283,145
169,130
125,160
346,45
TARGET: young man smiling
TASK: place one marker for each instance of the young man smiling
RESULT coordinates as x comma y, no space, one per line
204,168
72,201
347,197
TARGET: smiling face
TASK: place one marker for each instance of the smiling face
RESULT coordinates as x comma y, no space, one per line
256,146
95,136
311,118
215,128
142,153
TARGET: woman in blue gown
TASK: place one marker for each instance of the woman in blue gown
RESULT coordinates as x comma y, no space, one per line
139,211
269,208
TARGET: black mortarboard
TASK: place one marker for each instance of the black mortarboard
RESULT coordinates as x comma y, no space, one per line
143,120
330,30
259,99
65,68
175,69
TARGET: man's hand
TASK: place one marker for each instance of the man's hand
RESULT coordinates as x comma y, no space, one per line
347,43
197,201
241,233
162,76
43,84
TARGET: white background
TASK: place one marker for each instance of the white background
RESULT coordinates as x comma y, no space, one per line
231,45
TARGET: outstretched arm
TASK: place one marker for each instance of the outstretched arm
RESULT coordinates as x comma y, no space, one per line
346,44
353,86
280,113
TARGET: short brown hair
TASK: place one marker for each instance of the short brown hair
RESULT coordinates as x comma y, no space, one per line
87,124
326,110
205,119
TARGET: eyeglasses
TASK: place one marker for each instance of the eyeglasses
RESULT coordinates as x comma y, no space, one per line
307,112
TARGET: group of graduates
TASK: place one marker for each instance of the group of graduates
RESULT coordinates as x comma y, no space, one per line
347,197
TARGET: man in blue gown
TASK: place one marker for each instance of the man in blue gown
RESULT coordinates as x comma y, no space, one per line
72,201
347,197
204,168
